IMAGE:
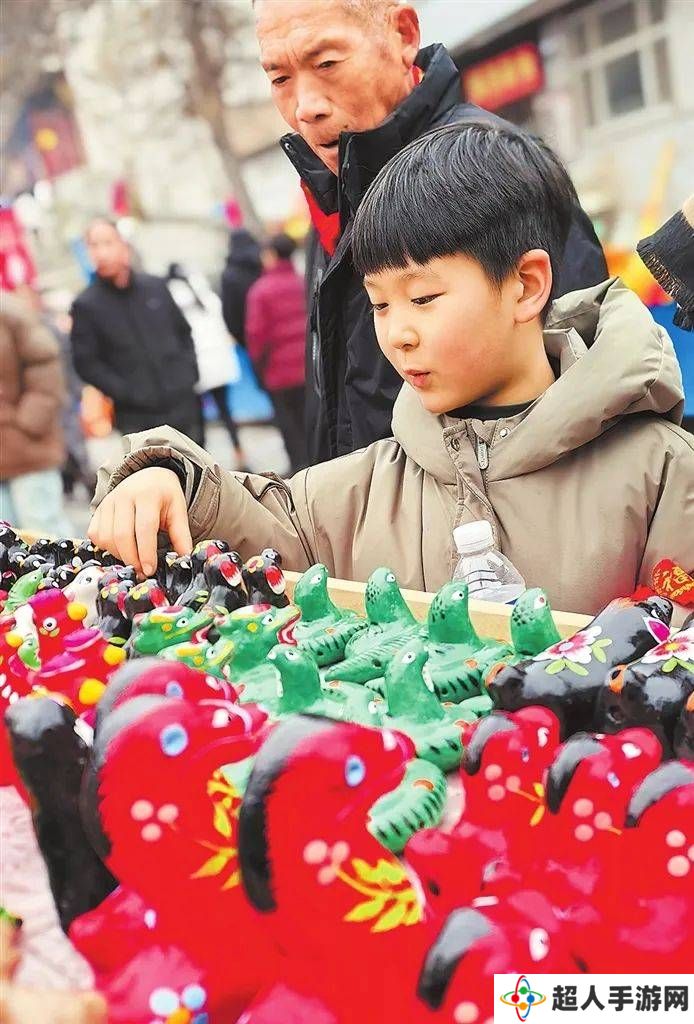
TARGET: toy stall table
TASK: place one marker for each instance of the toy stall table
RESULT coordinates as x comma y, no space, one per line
50,961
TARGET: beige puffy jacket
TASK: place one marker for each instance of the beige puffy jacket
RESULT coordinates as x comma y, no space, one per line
586,490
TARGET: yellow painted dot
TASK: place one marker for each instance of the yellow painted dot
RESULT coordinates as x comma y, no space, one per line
114,655
179,1016
90,691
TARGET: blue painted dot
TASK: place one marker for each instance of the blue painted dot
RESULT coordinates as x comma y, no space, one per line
174,689
201,1018
193,997
163,1001
355,770
531,999
173,739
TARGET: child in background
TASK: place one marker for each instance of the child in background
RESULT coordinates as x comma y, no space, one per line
557,423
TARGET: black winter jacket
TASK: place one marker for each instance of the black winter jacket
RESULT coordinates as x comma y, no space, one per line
350,385
243,268
135,346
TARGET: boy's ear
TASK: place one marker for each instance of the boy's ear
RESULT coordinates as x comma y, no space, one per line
534,274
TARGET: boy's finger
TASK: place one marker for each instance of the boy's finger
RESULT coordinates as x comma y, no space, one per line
106,539
93,528
176,525
124,534
146,527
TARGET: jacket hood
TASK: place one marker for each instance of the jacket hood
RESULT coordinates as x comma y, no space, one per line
243,249
615,361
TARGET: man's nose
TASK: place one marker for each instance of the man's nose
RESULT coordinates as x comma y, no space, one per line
311,103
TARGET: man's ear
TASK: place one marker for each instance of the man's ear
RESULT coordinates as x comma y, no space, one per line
534,274
404,21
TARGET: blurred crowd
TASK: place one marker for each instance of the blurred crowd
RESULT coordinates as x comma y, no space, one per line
133,351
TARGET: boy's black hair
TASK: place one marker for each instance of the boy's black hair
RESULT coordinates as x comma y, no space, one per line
475,188
282,244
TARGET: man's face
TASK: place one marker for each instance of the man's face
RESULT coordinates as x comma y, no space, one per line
108,252
447,330
333,70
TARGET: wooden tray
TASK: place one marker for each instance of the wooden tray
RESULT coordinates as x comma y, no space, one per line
489,619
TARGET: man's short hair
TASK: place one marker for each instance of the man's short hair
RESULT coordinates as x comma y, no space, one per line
479,189
282,244
370,10
101,219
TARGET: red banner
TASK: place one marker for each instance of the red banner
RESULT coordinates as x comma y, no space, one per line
57,139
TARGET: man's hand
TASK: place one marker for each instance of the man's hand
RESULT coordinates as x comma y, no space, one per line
127,521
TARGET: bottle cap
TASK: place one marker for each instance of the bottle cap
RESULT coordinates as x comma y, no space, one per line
472,536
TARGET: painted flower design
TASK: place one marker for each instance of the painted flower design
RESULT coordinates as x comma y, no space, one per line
677,651
589,821
226,803
501,786
576,648
680,854
576,651
387,899
152,819
186,1007
330,858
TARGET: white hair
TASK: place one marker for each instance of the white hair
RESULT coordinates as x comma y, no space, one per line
369,10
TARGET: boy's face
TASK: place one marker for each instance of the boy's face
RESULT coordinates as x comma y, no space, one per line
447,330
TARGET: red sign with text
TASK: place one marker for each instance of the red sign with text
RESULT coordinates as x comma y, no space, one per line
506,78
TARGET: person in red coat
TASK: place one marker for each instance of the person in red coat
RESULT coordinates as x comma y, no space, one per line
275,339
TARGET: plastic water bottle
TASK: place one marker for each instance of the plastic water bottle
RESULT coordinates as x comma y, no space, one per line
489,575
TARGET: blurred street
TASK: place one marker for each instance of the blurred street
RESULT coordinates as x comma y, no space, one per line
263,443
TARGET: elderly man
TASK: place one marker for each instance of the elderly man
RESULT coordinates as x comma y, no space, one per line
350,80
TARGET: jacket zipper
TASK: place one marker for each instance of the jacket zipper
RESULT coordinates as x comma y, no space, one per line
482,456
316,353
482,453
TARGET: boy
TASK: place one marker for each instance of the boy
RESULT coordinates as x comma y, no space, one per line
565,440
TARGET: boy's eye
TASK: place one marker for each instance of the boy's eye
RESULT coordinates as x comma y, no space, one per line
422,300
378,306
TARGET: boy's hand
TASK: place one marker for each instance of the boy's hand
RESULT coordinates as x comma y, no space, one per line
127,521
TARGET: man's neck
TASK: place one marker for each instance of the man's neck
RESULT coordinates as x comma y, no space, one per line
121,279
